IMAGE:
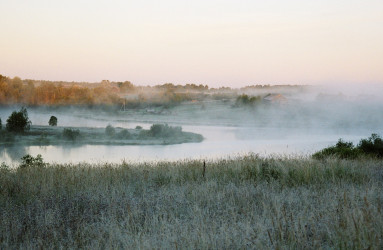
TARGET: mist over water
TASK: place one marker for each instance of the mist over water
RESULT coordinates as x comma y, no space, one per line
307,122
218,142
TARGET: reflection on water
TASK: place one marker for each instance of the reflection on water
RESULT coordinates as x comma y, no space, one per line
219,142
11,154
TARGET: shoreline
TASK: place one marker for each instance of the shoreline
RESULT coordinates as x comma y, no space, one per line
54,136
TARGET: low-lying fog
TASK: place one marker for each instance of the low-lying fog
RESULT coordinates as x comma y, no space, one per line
300,124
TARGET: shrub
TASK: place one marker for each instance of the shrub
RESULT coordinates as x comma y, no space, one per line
30,161
138,127
110,131
156,129
342,150
161,130
71,134
1,125
245,100
53,121
124,134
18,121
372,146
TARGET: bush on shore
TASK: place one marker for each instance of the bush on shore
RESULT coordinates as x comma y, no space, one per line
370,147
245,100
52,121
71,134
18,121
110,131
164,130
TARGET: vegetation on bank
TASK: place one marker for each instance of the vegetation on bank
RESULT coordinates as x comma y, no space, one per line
245,100
370,147
18,132
52,135
244,202
52,121
161,131
18,121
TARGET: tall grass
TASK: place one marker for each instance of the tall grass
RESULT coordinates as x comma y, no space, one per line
242,202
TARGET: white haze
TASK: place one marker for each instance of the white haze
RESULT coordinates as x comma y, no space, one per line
313,118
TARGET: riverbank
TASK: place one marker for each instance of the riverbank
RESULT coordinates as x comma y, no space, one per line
244,202
48,135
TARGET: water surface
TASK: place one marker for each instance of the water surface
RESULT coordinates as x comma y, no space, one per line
218,142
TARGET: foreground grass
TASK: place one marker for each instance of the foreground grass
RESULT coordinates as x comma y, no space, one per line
245,202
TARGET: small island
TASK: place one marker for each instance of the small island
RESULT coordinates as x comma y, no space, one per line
19,131
158,134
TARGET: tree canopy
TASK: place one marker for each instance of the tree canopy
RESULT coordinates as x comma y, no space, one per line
53,121
18,121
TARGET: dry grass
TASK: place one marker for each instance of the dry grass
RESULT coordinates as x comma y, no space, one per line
244,202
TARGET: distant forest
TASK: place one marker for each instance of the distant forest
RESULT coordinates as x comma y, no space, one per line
32,92
59,93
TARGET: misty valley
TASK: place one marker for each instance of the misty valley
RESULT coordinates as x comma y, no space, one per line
120,121
114,165
191,124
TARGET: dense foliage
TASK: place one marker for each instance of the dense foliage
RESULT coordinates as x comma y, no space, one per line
71,134
30,92
53,121
245,100
18,121
124,134
29,161
372,147
164,130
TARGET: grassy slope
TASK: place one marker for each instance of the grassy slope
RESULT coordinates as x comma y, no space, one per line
240,203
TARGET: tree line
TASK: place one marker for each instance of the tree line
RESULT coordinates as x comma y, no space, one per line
30,92
35,93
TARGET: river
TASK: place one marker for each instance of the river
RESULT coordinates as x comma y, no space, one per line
219,141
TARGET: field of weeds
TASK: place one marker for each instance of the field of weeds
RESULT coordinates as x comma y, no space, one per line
242,202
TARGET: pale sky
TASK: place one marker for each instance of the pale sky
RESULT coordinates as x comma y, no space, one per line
219,43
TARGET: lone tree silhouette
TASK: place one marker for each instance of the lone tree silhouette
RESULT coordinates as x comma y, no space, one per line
18,121
53,121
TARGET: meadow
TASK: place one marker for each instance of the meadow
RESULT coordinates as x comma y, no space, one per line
331,199
240,202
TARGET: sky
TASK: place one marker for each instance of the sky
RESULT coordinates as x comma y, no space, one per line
216,42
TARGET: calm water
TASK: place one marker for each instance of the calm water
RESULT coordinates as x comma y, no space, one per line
219,142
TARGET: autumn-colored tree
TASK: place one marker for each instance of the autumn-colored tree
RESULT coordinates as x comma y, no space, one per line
125,86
